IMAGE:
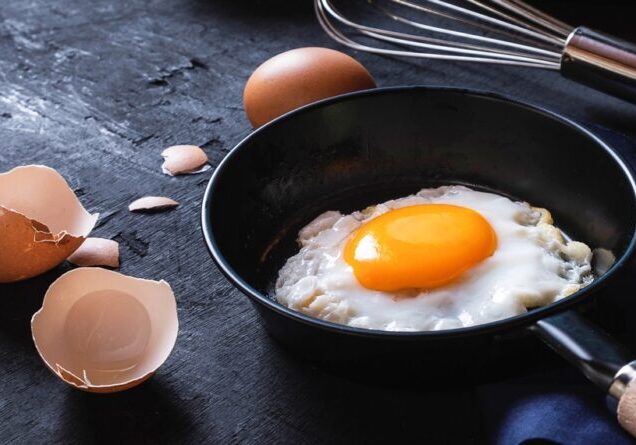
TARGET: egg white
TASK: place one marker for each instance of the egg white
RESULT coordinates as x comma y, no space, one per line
533,265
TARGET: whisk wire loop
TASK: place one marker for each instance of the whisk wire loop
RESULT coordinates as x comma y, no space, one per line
508,32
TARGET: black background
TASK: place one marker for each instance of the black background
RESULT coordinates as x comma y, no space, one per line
96,89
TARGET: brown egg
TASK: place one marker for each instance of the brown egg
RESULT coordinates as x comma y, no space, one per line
298,77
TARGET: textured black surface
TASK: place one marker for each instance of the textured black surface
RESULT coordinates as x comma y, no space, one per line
96,89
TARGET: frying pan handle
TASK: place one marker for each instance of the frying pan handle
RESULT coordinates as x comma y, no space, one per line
597,355
601,61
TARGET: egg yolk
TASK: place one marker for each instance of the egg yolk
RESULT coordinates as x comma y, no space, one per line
421,246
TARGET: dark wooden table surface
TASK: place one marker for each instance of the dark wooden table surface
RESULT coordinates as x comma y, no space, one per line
96,89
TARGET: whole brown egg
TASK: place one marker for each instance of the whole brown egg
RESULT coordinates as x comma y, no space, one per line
298,77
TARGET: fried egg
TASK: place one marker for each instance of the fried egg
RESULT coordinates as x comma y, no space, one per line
444,258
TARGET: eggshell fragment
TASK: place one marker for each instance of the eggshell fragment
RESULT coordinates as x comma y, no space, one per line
41,222
101,331
298,77
184,159
96,252
153,203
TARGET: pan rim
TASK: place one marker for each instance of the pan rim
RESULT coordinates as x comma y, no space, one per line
518,321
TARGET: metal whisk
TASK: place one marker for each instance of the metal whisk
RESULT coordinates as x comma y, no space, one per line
507,32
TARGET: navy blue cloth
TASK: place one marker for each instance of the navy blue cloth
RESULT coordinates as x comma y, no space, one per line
559,405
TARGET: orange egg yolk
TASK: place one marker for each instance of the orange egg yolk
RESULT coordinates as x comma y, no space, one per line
421,246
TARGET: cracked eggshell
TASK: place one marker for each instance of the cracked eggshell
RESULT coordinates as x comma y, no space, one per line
41,222
101,331
184,159
96,252
152,203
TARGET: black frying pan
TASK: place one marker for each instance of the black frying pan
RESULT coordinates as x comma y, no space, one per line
360,149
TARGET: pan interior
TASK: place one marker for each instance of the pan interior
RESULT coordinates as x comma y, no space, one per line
366,148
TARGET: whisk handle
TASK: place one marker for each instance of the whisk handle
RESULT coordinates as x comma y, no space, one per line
601,61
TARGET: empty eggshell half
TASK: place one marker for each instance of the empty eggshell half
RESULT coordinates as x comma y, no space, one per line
96,252
41,222
101,331
184,159
152,203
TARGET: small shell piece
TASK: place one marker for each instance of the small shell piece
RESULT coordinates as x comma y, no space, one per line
184,159
96,252
101,331
41,222
152,203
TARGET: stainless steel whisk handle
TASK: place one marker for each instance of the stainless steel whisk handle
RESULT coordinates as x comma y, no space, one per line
601,61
